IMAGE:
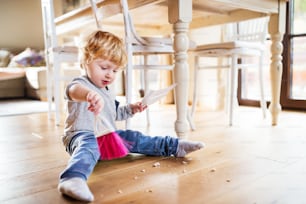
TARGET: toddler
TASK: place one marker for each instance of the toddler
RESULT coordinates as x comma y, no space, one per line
103,56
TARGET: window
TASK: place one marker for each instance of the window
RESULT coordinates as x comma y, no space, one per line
293,90
294,75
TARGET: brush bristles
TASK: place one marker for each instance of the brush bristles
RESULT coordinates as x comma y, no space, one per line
111,146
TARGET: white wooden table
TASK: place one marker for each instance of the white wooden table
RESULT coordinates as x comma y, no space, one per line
180,15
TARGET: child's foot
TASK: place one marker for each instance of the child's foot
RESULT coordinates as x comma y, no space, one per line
76,188
185,147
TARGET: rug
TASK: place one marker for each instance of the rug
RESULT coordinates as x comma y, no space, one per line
22,107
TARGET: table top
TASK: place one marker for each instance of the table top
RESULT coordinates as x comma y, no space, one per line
155,12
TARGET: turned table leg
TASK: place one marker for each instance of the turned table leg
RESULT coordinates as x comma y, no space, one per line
276,30
180,15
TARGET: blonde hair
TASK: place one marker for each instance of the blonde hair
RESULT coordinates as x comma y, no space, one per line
103,45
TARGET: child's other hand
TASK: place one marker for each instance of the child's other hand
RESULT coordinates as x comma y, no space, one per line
96,102
137,107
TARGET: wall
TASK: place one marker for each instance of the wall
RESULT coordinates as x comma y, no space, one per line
21,24
21,27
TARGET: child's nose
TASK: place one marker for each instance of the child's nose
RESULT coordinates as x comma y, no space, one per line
109,73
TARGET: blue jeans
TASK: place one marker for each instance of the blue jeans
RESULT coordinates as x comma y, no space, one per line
84,150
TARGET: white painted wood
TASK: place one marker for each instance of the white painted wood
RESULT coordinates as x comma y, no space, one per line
180,16
140,46
245,39
55,55
231,11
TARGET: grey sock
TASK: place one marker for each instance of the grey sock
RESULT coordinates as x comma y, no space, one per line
185,147
76,188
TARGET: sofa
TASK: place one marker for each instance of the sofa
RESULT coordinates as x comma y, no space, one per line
22,75
12,83
27,82
25,75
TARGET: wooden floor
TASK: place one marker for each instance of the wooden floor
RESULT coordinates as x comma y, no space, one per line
251,162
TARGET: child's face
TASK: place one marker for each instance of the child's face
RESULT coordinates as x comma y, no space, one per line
101,72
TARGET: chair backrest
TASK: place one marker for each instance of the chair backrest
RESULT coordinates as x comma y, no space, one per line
49,28
249,30
130,32
97,15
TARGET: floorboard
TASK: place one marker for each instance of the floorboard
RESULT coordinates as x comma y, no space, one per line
250,162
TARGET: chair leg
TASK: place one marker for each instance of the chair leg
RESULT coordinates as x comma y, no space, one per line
190,116
129,80
263,104
228,87
146,88
190,120
56,90
195,83
142,80
49,77
233,88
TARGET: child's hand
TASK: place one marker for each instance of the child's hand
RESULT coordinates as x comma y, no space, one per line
137,107
96,102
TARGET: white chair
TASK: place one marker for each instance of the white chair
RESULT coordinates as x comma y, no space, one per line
143,47
97,15
55,55
246,40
